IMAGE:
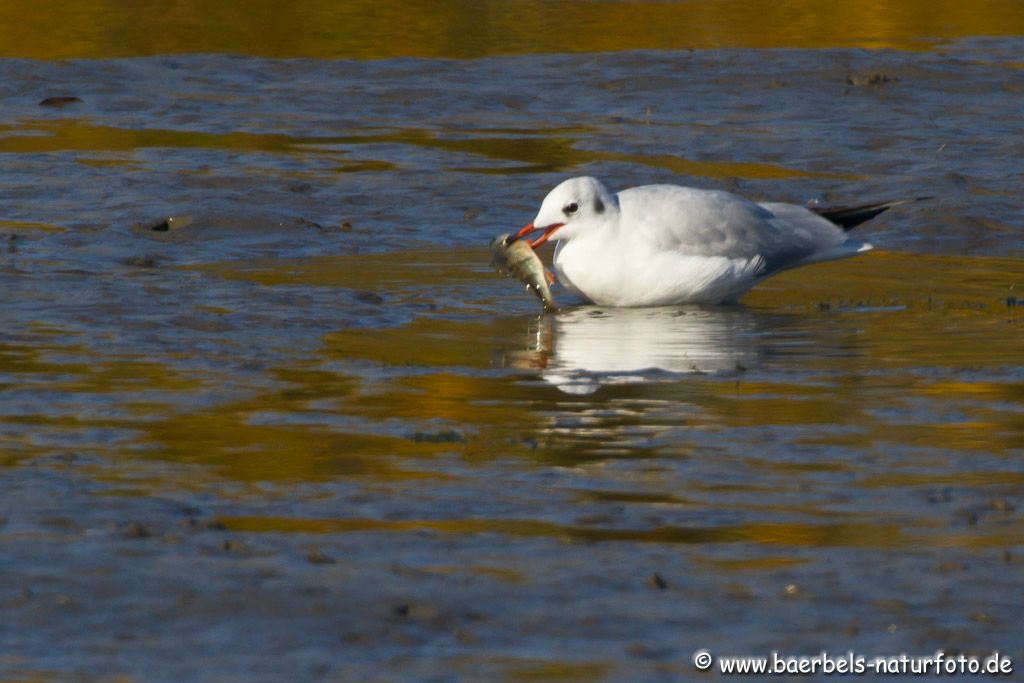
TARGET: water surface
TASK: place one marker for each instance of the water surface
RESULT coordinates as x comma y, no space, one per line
302,431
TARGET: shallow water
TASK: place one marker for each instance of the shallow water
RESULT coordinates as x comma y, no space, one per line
302,431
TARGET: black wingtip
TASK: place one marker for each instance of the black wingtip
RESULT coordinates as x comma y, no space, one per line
849,217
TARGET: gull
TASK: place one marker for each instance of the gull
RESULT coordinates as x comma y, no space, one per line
661,245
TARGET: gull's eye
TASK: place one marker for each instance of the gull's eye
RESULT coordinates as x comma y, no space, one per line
570,208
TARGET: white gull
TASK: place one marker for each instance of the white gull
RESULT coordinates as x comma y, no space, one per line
660,245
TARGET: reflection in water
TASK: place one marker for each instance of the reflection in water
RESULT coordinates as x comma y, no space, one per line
580,349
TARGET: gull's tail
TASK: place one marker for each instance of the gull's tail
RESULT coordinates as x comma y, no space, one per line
849,217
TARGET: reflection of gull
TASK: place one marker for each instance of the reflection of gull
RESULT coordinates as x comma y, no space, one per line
580,349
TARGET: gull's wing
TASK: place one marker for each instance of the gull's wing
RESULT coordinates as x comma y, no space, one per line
715,223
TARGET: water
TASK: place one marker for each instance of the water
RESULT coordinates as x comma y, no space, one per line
302,431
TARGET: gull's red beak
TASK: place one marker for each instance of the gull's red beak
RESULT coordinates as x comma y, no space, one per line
529,228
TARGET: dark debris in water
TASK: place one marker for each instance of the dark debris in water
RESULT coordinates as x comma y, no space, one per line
415,611
443,436
59,101
344,226
166,224
306,223
138,530
366,296
195,524
145,261
871,79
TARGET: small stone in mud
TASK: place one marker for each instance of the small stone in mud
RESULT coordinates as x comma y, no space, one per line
59,101
367,297
306,223
416,611
872,79
655,580
317,556
301,188
878,79
345,226
137,530
444,436
12,247
169,223
471,213
147,261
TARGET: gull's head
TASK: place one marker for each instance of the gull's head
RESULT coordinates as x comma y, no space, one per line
574,206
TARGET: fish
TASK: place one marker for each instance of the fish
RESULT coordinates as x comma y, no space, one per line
516,258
